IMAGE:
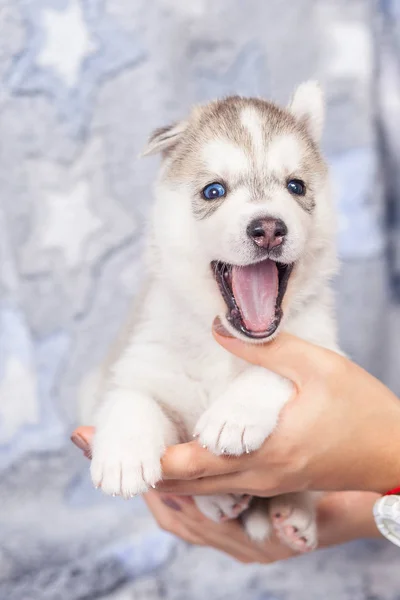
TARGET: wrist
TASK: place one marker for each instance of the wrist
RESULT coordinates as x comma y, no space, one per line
346,516
382,467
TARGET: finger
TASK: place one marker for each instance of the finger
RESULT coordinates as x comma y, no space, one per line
233,483
287,355
183,461
228,537
170,520
82,438
191,461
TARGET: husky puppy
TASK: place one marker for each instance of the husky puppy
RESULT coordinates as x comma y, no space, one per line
242,228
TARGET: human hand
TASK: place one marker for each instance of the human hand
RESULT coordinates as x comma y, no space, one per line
342,517
340,431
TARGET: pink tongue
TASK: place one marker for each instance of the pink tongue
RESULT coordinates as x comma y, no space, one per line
255,288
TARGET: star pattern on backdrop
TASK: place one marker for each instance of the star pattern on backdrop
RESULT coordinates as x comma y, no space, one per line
28,386
18,399
77,219
19,405
71,47
65,30
69,222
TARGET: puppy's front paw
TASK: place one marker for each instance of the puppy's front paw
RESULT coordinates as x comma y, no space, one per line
132,433
246,414
233,429
125,465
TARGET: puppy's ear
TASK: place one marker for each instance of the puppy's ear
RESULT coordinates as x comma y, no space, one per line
307,106
164,138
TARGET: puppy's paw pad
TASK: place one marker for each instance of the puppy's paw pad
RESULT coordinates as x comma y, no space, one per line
223,507
300,541
280,515
295,524
241,505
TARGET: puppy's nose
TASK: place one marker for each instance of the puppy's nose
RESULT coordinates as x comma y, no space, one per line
267,233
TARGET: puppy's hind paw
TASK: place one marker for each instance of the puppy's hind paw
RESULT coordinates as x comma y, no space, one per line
222,507
294,521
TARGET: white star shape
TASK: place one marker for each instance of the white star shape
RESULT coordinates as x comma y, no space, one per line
69,222
18,399
67,42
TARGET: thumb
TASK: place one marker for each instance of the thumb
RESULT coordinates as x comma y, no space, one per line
286,355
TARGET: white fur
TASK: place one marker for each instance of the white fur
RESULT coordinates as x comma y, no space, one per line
308,107
251,121
172,379
225,158
164,140
284,155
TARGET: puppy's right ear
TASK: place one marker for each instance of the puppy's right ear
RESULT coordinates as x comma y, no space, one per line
164,138
307,106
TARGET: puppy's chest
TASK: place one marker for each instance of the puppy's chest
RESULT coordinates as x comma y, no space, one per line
202,378
208,376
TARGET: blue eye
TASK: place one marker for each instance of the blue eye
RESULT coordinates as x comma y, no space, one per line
214,191
297,187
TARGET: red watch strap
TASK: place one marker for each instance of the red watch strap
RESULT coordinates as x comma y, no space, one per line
395,491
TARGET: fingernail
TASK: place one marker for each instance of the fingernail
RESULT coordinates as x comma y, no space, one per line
82,444
170,503
220,329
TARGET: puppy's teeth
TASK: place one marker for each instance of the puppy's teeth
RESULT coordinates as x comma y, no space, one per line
205,447
153,486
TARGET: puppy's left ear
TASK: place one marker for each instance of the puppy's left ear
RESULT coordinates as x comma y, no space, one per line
307,106
164,138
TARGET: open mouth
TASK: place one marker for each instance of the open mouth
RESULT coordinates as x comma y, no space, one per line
253,295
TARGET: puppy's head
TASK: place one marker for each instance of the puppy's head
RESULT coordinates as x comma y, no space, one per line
243,198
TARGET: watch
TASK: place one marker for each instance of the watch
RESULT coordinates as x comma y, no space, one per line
387,516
